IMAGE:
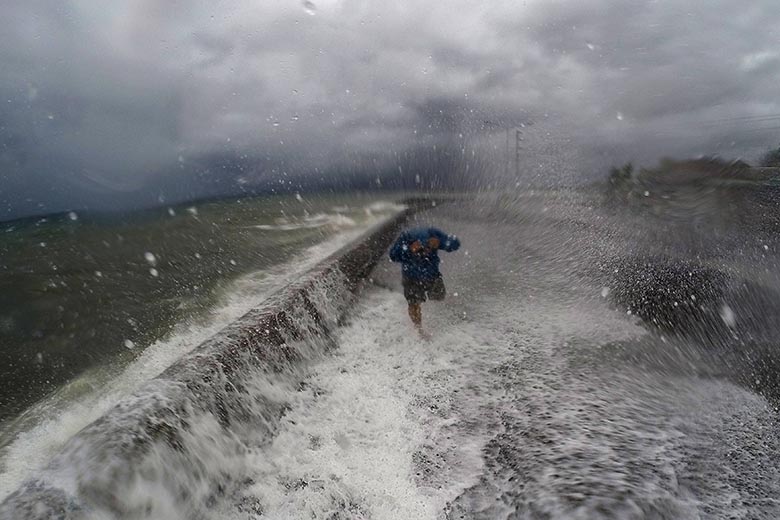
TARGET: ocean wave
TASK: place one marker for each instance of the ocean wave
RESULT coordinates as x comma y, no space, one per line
342,218
384,206
335,221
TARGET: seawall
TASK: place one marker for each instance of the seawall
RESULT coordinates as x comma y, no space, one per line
184,432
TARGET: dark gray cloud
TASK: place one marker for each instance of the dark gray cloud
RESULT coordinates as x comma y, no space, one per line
121,104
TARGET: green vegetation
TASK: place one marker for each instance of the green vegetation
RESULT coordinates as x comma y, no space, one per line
671,177
771,158
621,176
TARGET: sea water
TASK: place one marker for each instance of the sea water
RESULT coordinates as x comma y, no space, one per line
94,305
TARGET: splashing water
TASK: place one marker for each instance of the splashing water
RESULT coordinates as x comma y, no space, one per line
536,397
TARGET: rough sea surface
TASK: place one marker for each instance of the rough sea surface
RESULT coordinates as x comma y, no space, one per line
92,306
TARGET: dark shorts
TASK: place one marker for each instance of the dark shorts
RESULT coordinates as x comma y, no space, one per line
417,291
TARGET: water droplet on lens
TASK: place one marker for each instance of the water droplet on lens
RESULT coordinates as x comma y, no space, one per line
309,8
727,315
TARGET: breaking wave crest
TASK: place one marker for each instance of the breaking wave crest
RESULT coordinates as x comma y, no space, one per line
335,221
181,440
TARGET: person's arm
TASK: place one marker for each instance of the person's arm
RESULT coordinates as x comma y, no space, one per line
400,250
446,242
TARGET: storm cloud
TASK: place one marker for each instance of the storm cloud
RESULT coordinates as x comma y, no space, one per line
127,104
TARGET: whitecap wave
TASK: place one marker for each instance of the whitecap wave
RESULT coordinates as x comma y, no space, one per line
319,220
342,218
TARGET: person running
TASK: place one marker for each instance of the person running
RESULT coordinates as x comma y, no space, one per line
417,250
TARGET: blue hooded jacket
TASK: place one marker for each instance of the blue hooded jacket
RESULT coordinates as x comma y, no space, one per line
423,265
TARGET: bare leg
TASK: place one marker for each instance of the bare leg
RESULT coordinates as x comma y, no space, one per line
415,313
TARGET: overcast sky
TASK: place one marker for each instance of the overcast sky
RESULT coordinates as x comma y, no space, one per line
100,101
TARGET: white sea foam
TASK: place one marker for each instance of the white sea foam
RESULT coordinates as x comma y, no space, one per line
335,221
389,426
383,206
320,220
354,442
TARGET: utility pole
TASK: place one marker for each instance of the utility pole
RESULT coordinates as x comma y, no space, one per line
506,155
518,138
